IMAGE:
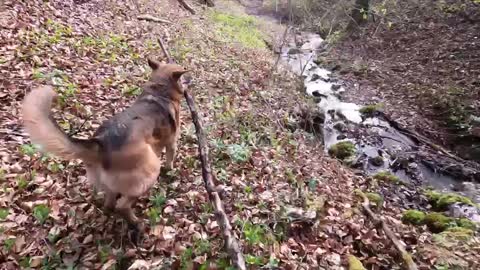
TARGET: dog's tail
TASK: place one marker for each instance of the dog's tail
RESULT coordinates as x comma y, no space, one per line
45,131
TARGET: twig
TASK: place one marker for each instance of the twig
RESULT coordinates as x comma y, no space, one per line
148,17
231,244
79,129
187,6
407,258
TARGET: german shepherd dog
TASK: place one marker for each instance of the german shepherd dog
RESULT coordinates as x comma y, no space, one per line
122,157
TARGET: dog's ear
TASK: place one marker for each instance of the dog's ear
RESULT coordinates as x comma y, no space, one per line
178,73
153,64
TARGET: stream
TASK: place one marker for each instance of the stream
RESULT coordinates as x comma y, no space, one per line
379,145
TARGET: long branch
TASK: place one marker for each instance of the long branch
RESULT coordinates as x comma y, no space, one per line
231,244
407,258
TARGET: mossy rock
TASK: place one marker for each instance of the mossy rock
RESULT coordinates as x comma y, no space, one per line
375,198
453,236
441,201
342,150
386,177
466,224
354,263
438,222
458,233
370,109
413,217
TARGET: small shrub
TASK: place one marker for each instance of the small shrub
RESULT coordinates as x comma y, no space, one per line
342,150
414,217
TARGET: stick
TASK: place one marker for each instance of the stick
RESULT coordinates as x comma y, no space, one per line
407,258
187,6
231,244
147,17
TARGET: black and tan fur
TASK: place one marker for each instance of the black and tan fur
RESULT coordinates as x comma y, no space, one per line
122,157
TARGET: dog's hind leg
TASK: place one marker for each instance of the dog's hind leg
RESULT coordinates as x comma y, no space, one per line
124,208
171,150
110,201
125,204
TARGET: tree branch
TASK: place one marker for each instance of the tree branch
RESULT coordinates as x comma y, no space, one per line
186,6
231,244
407,258
148,17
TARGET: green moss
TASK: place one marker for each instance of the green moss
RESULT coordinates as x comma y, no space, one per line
453,234
370,109
466,223
354,263
241,29
438,222
414,217
375,198
441,201
386,177
342,150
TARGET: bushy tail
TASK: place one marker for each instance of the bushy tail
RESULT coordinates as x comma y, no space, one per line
45,132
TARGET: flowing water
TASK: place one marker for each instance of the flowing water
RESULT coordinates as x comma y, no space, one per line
380,146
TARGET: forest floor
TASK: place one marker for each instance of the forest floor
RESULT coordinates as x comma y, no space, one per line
291,206
423,66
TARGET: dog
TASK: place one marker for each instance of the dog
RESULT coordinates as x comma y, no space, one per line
122,158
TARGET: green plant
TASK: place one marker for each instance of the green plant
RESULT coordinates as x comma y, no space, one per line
254,260
104,253
153,214
239,153
131,90
28,149
158,200
41,212
241,29
9,243
22,182
201,247
186,259
3,213
253,233
342,150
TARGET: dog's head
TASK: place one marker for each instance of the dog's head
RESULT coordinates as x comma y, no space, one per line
162,73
